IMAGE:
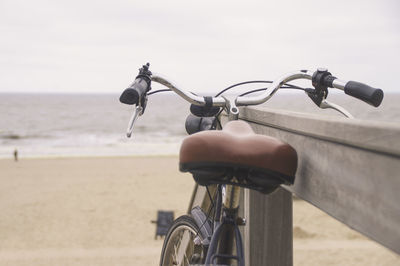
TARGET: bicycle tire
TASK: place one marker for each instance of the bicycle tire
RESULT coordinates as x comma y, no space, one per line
179,246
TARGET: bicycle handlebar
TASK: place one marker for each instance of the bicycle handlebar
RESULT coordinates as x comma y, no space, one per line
321,79
141,85
358,90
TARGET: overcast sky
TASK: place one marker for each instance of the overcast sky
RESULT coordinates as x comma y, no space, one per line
98,46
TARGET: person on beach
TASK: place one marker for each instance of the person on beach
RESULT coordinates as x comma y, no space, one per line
16,155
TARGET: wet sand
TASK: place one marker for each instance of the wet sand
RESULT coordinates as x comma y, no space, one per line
97,211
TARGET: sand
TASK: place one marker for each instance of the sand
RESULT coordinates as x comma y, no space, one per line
97,211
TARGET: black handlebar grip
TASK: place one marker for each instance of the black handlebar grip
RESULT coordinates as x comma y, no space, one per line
364,92
134,93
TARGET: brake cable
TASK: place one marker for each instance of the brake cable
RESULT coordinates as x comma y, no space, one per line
157,91
242,83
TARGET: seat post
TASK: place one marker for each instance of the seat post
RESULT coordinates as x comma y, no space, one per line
230,197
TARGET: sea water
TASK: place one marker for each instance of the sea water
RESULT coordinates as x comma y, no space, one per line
95,124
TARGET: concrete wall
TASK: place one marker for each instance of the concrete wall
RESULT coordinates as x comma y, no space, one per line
350,169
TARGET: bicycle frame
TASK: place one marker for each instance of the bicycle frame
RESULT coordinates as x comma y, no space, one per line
226,231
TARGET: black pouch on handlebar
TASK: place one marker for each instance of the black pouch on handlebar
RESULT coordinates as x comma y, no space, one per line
196,124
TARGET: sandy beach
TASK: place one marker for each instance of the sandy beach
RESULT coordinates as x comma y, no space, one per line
97,211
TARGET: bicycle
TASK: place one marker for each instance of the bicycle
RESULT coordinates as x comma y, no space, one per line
229,159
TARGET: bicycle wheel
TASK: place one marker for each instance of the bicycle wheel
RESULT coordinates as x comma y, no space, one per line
182,244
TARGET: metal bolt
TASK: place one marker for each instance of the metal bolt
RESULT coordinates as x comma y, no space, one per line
240,221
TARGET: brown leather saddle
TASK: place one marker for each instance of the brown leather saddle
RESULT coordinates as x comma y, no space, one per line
238,156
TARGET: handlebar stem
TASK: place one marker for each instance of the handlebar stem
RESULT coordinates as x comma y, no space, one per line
231,108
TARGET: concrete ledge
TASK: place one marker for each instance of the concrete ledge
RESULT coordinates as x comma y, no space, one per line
381,137
347,168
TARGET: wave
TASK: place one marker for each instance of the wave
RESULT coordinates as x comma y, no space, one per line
12,136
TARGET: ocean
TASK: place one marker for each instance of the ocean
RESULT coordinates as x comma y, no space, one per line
48,125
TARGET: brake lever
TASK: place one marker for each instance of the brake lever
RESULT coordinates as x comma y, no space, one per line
138,111
318,96
325,105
